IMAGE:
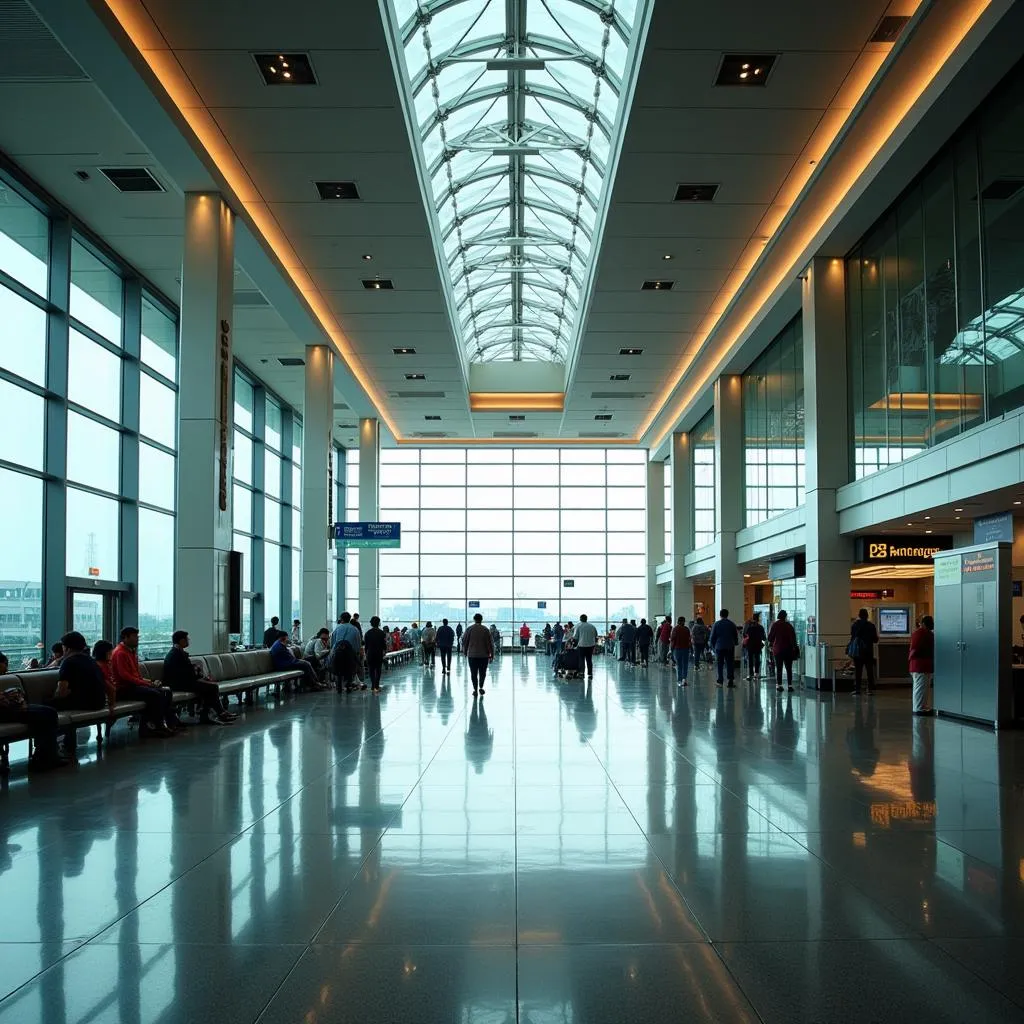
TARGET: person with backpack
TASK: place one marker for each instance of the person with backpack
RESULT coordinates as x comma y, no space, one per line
558,636
644,639
428,638
445,639
680,644
863,637
724,638
782,641
346,648
699,634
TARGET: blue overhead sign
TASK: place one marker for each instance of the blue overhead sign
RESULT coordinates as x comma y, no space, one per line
368,535
542,604
473,604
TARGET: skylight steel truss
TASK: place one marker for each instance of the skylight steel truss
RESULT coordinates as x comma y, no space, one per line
516,163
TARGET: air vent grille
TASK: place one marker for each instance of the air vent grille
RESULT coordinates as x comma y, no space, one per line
429,433
29,51
330,190
514,433
601,433
131,179
340,405
291,361
889,28
416,394
695,193
603,396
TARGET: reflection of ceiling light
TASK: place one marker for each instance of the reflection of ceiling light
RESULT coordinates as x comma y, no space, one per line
926,518
927,531
918,401
667,256
958,510
1016,503
367,257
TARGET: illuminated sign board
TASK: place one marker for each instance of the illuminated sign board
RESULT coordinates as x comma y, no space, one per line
905,550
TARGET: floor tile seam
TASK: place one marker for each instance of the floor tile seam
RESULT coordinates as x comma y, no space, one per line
59,960
1018,1002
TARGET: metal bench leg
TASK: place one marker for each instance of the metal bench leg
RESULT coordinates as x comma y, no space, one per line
5,759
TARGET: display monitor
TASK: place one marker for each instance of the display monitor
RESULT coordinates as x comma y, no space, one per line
894,621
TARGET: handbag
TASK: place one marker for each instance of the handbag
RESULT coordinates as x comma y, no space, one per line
853,648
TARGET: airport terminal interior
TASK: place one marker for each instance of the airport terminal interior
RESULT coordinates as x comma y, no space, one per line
646,376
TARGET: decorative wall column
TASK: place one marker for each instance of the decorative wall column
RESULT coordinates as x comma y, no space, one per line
655,536
317,528
205,404
369,511
728,495
827,442
681,466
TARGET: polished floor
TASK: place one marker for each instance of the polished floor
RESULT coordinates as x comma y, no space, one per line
626,852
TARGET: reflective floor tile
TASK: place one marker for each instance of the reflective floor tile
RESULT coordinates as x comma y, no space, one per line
171,984
996,961
615,984
22,961
853,981
386,985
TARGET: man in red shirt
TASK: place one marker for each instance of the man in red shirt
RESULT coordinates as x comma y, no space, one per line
922,664
524,638
124,667
664,637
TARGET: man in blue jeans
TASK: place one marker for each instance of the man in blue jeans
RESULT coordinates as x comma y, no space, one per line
724,638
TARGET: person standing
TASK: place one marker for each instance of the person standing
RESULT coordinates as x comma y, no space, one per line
782,640
922,664
297,632
375,645
665,640
429,638
610,650
558,636
724,638
444,640
270,633
863,637
413,636
346,650
524,638
586,641
754,640
458,638
680,644
479,648
699,633
626,640
644,639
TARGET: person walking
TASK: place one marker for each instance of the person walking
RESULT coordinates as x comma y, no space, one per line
445,639
375,645
724,638
680,644
626,639
586,641
644,639
665,640
413,637
754,639
863,637
458,638
524,638
782,640
922,664
699,633
479,648
429,639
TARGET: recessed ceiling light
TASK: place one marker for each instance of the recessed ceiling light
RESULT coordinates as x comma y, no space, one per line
746,575
334,190
657,286
926,518
958,517
415,376
367,257
667,256
910,524
404,351
379,284
958,510
927,531
699,193
620,376
285,68
1016,503
639,351
751,69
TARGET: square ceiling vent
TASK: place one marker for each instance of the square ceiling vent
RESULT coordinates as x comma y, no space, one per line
603,416
331,190
379,284
291,361
131,179
618,377
889,28
657,286
631,351
745,69
701,193
285,68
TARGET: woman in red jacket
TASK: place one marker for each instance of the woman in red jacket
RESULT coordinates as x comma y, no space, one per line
922,663
782,641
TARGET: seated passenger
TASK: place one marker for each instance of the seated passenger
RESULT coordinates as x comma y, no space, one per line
80,682
40,721
56,654
159,718
101,652
318,650
284,661
180,674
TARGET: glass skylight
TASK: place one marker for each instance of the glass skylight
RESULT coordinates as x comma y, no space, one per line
517,156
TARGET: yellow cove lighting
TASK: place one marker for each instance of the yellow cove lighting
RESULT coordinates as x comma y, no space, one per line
516,401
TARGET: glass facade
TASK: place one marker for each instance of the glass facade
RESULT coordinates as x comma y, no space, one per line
773,428
667,469
702,445
936,296
266,502
507,528
88,431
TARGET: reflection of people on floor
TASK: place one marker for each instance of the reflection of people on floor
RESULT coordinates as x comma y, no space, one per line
445,702
586,713
753,710
373,745
860,739
682,720
784,727
479,739
922,760
725,722
429,694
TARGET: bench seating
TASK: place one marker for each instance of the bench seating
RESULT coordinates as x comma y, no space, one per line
242,674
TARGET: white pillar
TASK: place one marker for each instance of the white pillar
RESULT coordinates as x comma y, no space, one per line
655,534
369,511
681,460
317,424
827,443
728,495
205,404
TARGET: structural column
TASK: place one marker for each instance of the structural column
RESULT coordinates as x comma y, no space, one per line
369,511
204,423
317,558
827,443
728,495
655,535
681,466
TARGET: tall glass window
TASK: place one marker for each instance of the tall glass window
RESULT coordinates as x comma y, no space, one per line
508,529
935,307
702,445
773,427
667,468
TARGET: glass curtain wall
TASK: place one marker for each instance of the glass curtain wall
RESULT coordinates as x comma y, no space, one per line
773,427
88,429
508,528
667,468
266,502
703,448
936,296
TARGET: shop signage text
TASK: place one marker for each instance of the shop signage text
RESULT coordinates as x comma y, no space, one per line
900,550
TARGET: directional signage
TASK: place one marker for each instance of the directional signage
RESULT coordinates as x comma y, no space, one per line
542,604
368,535
568,583
473,604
